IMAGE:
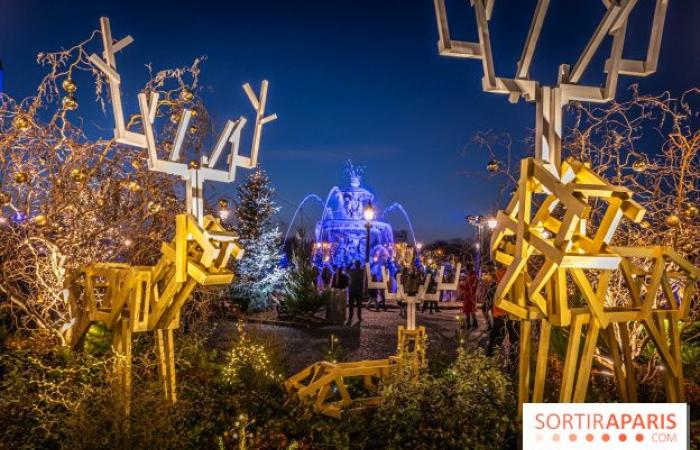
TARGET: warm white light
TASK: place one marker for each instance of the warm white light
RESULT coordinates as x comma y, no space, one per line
477,246
128,242
224,213
369,212
419,245
492,222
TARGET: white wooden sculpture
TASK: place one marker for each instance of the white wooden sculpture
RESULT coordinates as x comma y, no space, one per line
571,246
194,173
444,286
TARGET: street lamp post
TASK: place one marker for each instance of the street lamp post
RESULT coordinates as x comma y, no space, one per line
369,217
478,222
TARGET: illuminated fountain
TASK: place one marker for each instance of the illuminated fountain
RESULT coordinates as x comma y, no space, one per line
341,232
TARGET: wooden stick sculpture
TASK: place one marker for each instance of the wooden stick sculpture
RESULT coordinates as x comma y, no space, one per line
554,198
130,299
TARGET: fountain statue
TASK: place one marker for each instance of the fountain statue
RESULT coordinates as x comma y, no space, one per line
341,232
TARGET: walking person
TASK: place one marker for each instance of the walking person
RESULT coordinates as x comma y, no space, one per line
357,288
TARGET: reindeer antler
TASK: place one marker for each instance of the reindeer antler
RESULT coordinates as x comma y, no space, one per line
195,176
550,100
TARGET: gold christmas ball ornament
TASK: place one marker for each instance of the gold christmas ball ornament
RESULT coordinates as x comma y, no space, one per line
223,203
186,95
492,166
134,186
691,211
688,247
153,207
69,86
644,224
194,129
673,220
70,103
21,123
40,220
175,118
639,166
20,177
194,113
100,202
78,175
5,198
193,164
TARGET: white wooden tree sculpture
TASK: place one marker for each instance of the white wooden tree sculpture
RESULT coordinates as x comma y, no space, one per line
550,217
195,173
129,299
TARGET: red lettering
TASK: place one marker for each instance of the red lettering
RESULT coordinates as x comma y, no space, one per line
672,421
540,424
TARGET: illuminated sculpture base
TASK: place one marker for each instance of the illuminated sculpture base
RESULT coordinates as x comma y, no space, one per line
132,299
537,291
323,384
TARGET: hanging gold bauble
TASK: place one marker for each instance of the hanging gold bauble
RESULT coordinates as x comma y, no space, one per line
688,247
194,164
78,175
673,220
492,166
5,198
194,113
153,207
174,118
691,211
186,95
20,177
134,186
194,129
70,103
41,220
21,123
639,166
168,145
135,164
644,224
69,86
223,203
100,202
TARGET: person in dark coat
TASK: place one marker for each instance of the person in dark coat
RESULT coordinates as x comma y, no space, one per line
357,288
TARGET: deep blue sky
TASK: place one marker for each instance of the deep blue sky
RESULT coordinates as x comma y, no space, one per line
357,79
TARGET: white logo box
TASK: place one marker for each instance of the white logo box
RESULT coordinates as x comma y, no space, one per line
600,426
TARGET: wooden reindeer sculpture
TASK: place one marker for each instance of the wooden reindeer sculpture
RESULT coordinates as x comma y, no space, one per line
130,299
550,217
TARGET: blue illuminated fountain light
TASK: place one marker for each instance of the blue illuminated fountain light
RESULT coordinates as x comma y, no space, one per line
340,234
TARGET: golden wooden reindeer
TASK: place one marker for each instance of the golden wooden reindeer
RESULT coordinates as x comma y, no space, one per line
547,235
130,299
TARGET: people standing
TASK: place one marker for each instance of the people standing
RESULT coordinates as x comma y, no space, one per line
326,277
432,289
357,288
468,288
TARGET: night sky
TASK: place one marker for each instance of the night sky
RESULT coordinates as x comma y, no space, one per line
359,79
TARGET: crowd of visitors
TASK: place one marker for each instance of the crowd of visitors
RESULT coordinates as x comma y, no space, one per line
474,290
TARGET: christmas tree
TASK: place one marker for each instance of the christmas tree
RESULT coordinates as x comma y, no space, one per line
258,272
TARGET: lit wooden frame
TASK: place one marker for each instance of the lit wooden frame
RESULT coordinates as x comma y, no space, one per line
570,251
129,299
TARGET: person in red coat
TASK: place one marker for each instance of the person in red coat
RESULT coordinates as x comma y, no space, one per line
468,288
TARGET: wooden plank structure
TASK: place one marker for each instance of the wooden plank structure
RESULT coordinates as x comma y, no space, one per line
323,384
131,299
135,299
547,238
